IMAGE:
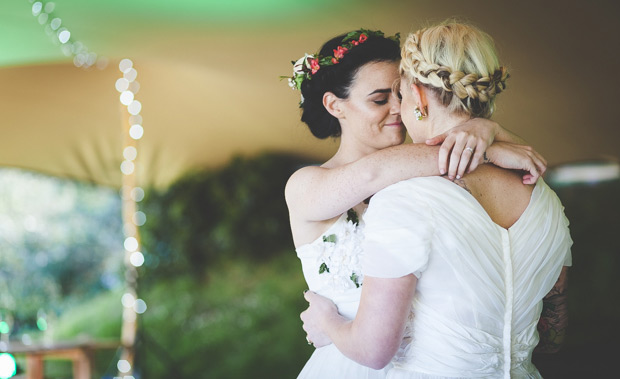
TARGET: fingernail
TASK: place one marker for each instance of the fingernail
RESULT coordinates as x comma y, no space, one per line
305,291
458,176
442,171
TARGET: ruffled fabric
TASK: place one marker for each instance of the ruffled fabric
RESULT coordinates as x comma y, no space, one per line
339,250
480,288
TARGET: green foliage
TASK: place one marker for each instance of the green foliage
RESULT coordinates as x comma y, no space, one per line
236,211
243,324
59,239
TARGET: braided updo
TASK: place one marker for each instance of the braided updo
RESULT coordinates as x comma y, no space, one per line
339,78
458,62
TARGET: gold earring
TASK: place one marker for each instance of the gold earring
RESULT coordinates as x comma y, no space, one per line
419,114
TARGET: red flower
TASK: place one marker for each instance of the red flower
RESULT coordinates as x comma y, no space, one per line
354,43
363,37
334,60
314,65
340,51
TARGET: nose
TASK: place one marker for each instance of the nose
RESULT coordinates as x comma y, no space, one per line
394,104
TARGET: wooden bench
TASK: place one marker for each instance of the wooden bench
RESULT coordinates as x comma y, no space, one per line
79,352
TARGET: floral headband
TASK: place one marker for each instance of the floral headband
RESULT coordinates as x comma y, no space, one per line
308,65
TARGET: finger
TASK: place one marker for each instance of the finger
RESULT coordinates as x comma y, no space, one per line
540,161
464,162
478,156
444,153
308,295
533,176
455,157
528,179
436,140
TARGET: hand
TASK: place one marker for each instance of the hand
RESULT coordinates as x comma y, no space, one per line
464,145
518,157
318,310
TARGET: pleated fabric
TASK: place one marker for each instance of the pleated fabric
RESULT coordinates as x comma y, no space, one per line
480,286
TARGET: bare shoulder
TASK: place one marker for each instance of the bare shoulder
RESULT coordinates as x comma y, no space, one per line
300,180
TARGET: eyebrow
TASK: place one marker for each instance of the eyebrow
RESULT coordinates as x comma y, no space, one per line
384,90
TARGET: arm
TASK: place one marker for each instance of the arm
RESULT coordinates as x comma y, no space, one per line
317,193
554,317
376,333
474,133
517,157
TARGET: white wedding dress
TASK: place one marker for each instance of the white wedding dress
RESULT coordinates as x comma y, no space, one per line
480,286
332,268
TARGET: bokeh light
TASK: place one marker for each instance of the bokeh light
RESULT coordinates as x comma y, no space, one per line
123,366
136,258
139,306
131,244
128,300
136,131
8,368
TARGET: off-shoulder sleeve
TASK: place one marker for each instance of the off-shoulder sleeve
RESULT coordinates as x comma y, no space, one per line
398,233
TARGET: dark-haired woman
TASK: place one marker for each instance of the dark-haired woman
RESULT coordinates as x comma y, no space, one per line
347,93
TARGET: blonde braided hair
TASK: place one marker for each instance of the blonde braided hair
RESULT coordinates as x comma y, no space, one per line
458,62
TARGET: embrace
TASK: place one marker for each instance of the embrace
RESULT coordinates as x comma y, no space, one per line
423,261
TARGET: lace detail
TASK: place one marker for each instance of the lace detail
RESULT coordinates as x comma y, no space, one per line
339,262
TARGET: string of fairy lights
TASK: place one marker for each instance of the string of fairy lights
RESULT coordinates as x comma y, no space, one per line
131,193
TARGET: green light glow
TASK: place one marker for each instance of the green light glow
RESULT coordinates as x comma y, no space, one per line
4,327
42,324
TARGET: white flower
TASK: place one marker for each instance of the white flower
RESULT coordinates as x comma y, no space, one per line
302,64
342,257
292,84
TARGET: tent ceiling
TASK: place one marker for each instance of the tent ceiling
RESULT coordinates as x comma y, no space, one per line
209,71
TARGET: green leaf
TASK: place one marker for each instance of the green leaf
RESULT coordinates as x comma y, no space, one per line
355,279
353,217
330,238
323,268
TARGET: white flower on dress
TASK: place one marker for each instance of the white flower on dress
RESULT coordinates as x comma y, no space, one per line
339,262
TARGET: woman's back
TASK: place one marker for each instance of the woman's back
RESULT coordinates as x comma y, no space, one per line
480,287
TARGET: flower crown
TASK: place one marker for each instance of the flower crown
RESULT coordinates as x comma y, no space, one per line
308,65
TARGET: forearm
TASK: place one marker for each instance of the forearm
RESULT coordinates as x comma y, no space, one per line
330,192
553,321
354,345
504,135
553,324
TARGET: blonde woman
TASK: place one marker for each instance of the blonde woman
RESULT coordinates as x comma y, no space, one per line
457,273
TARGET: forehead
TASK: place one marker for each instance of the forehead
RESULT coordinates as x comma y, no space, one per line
375,75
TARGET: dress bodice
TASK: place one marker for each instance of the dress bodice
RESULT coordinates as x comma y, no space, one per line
480,286
332,263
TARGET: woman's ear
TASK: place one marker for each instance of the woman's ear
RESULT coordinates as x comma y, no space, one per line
333,104
419,96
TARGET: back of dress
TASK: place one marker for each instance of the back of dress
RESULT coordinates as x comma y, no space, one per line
480,286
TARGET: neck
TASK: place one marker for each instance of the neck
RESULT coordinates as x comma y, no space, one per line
440,120
349,151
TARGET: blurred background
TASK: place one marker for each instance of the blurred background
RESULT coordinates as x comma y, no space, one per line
218,288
